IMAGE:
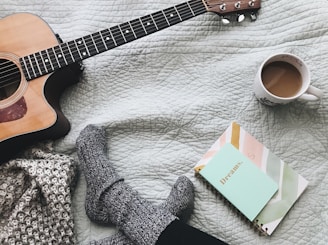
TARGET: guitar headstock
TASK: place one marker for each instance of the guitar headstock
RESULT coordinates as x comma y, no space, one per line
229,7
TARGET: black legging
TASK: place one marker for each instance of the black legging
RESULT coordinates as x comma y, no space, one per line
179,233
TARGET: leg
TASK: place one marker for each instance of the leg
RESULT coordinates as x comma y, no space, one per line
109,198
179,233
116,239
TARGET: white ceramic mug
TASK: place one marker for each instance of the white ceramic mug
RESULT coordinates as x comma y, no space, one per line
306,92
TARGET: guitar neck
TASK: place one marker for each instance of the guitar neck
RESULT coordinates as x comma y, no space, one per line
49,60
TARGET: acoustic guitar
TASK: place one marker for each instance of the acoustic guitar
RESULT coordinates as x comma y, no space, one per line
35,66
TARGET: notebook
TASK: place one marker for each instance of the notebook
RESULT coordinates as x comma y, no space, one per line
242,183
291,184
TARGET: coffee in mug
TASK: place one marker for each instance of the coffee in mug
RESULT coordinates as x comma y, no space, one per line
283,78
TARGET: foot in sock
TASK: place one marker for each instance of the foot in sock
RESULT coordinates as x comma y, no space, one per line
179,203
117,239
98,171
110,199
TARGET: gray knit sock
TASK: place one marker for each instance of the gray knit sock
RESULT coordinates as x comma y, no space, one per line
99,173
140,220
117,239
179,203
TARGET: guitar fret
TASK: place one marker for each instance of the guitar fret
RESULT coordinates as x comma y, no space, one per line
52,59
108,38
103,41
135,36
148,24
96,39
166,18
152,17
191,9
94,43
86,47
99,42
37,64
44,65
141,31
59,56
185,11
198,7
160,20
111,34
63,54
176,10
117,35
119,27
172,15
143,26
89,44
56,59
74,51
138,28
127,32
78,50
32,66
102,46
46,59
28,67
67,53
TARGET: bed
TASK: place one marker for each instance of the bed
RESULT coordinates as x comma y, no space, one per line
165,98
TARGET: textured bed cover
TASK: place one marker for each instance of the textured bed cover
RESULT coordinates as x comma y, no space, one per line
165,98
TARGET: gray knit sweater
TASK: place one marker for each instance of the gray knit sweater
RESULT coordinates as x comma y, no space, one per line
35,199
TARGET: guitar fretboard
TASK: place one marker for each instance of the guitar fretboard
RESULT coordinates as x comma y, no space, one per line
49,60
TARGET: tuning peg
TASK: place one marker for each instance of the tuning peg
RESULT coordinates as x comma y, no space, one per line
223,7
253,16
225,21
240,17
238,5
251,3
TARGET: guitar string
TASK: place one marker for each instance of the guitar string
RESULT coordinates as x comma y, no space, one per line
8,75
94,42
161,13
185,11
18,79
118,34
10,78
140,30
17,76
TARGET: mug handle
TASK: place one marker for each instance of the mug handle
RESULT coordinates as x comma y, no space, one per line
312,94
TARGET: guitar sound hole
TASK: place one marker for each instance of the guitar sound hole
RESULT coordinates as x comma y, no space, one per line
10,78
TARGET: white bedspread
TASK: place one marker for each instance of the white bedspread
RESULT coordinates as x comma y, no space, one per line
164,99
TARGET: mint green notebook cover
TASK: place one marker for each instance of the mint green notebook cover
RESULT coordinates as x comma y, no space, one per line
239,180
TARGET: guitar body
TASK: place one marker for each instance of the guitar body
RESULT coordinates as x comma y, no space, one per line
30,110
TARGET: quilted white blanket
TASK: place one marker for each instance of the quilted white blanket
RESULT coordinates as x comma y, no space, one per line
165,98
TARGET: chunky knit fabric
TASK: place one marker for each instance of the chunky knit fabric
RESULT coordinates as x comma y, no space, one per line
35,199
